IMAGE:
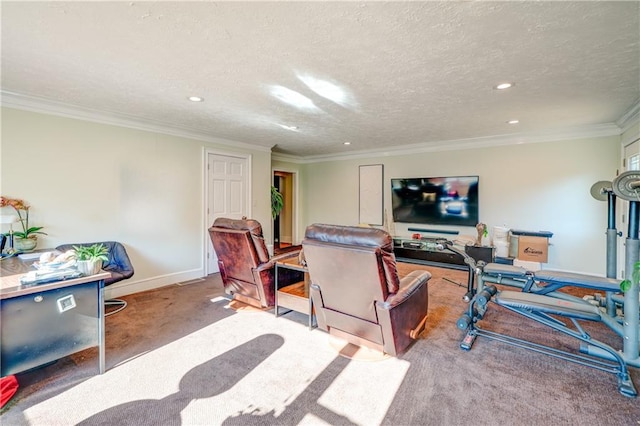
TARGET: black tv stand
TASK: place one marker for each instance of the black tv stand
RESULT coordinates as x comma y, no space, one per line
425,251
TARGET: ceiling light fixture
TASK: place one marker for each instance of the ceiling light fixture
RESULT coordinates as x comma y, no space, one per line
195,99
503,86
347,143
513,121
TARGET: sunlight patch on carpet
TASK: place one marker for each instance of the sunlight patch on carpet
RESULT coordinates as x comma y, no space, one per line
220,299
312,420
358,353
243,307
214,374
381,381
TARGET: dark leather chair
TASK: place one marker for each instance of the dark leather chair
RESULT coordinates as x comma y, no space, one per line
118,265
247,271
356,291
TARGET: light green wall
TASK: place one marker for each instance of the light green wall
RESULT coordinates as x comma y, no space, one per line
95,182
539,186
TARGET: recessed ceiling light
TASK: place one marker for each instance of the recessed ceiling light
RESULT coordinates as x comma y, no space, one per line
195,99
513,121
503,86
347,143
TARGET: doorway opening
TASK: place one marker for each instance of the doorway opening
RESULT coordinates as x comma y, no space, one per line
284,224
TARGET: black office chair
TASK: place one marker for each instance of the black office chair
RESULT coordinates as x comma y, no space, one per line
119,265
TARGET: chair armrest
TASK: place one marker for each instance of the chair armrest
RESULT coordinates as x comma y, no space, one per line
408,286
286,276
287,255
403,315
265,266
271,263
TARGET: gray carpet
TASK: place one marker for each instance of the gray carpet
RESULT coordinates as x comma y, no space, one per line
180,356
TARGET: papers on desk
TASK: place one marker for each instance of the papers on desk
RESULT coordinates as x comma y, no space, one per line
32,256
45,276
54,266
47,272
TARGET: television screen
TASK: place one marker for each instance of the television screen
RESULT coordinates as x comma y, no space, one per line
436,200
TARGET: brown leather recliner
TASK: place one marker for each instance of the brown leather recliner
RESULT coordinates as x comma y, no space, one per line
247,271
356,291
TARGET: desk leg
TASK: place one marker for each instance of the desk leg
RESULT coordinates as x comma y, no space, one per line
101,340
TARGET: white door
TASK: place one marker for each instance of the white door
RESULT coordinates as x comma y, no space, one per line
227,194
631,161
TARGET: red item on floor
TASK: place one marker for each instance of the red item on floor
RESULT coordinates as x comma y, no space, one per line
8,387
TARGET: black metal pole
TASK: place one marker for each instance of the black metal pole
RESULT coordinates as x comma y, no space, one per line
612,209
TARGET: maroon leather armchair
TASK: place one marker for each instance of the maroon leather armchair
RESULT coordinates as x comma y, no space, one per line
247,271
356,291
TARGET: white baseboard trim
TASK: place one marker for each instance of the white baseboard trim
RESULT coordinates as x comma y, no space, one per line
125,288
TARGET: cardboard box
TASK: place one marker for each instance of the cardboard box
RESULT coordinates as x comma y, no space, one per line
533,249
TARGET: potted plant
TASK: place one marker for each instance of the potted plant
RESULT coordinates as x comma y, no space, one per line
27,239
277,202
89,258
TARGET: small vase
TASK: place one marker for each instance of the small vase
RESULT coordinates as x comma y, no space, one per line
89,267
25,244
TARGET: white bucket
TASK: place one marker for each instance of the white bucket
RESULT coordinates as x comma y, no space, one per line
500,233
502,248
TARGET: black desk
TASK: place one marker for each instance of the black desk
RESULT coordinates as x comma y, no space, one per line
45,322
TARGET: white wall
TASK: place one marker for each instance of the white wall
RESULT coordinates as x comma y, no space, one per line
94,182
89,181
539,186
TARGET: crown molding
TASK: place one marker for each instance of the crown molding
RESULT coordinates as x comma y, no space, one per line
40,105
287,157
630,118
584,132
45,106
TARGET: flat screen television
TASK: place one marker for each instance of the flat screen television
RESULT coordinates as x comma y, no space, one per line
436,200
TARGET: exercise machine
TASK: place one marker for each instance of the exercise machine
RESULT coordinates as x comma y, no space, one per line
603,191
540,298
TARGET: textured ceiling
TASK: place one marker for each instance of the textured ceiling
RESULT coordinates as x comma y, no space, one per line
408,72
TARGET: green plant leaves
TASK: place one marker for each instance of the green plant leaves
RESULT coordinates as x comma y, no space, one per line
92,252
277,202
30,231
626,285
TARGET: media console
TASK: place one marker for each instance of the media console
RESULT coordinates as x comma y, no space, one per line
425,251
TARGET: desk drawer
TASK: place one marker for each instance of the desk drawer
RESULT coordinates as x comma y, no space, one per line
41,327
